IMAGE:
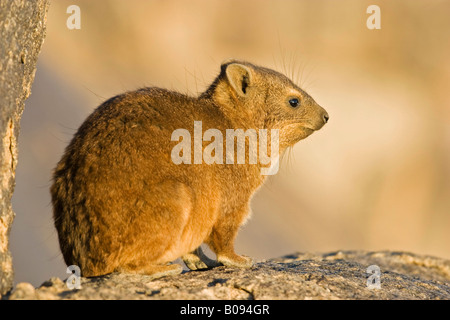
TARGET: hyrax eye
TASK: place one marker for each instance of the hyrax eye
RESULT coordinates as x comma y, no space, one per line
294,102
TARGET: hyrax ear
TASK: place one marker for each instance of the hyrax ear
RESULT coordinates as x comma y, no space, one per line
239,77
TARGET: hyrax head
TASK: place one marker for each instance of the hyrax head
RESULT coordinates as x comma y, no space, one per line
268,99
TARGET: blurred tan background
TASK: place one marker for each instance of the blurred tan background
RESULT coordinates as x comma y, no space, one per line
376,177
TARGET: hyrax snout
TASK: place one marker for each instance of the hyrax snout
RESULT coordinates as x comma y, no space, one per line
152,174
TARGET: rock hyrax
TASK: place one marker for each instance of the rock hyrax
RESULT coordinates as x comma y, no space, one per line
121,202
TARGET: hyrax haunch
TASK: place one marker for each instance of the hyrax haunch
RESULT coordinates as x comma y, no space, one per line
121,203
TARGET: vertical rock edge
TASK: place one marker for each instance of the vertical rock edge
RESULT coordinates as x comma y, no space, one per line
22,32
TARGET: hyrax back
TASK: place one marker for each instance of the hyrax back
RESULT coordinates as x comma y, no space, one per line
121,203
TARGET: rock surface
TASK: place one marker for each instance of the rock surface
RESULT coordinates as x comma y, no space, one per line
337,275
22,31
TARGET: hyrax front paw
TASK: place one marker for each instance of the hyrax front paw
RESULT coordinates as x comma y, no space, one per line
197,260
193,262
235,260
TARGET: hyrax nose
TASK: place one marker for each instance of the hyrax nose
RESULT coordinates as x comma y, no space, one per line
325,117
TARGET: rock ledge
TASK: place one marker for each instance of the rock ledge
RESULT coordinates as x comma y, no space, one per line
337,275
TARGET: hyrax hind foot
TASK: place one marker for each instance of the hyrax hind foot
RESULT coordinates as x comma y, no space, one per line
154,271
197,260
235,260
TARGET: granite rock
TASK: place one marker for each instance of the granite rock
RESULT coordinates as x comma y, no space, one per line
336,275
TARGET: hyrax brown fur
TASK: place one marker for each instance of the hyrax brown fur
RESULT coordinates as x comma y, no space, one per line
121,204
